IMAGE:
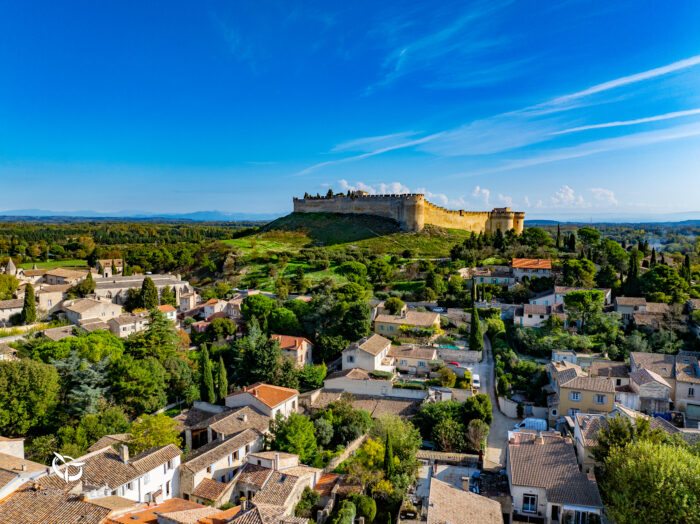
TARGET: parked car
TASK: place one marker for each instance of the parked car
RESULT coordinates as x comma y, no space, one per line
455,364
476,382
438,310
535,424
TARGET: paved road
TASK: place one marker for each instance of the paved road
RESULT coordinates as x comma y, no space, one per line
495,457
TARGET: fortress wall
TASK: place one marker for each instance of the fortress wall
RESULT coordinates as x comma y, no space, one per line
468,220
412,212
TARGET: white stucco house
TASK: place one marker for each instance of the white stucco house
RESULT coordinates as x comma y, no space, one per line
266,398
369,353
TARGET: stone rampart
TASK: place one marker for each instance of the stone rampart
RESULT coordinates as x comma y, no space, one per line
413,211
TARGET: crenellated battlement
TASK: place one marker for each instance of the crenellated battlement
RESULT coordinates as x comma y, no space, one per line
412,211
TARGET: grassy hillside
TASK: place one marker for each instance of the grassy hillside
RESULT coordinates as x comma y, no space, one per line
337,231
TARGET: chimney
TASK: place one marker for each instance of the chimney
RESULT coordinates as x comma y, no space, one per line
24,467
435,469
220,435
244,417
539,439
255,392
124,453
244,504
277,462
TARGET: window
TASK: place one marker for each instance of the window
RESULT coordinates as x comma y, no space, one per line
167,488
50,303
129,485
618,382
601,399
529,503
209,468
247,448
575,396
421,363
691,392
350,359
230,460
146,478
235,455
294,404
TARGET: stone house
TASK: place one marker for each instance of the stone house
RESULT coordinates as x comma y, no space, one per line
629,306
60,276
412,359
369,353
662,364
653,391
9,308
213,306
586,428
687,392
266,398
83,309
531,315
205,473
116,288
127,324
390,325
169,311
545,481
556,295
531,268
298,349
110,267
187,301
49,298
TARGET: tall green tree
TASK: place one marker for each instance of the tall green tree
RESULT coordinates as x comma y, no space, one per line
394,305
558,243
652,258
221,381
572,243
29,309
159,339
632,282
476,336
149,294
139,385
260,356
388,457
28,394
152,431
584,305
8,285
293,434
208,394
167,296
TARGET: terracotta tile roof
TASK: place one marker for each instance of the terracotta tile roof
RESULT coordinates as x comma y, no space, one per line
58,333
589,384
532,263
218,449
254,475
277,489
326,484
211,302
66,273
166,308
270,455
53,506
266,514
449,504
411,318
189,516
630,301
13,303
110,440
374,344
608,368
412,352
590,425
687,369
659,363
353,374
209,489
14,464
232,422
289,343
218,314
658,307
149,515
271,396
55,288
650,320
644,376
81,305
115,503
223,517
551,465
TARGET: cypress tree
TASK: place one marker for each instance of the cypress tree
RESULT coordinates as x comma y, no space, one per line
476,337
663,260
474,290
686,273
572,242
632,273
29,309
149,294
652,260
558,237
388,458
221,381
207,387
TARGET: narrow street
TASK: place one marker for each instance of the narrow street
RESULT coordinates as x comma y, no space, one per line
495,456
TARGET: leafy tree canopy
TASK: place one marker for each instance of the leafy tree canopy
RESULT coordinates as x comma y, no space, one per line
151,431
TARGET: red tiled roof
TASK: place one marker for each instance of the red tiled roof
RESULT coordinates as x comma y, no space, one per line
150,514
290,343
532,263
166,308
268,394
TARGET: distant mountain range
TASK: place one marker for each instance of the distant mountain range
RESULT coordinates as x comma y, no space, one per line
198,216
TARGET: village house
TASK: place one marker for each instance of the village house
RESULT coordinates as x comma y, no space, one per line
687,391
15,470
109,267
661,364
559,355
390,325
369,353
531,315
116,288
412,359
212,306
155,513
9,308
127,324
530,268
545,481
298,349
187,301
629,306
380,309
617,372
652,393
169,311
556,295
274,478
584,394
206,472
49,298
586,428
80,310
653,318
497,275
449,504
208,427
266,398
150,476
61,276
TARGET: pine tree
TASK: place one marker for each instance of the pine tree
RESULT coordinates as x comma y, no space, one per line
207,387
221,381
388,458
476,338
652,260
558,237
149,294
29,309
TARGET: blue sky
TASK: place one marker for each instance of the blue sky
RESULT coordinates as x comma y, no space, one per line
561,109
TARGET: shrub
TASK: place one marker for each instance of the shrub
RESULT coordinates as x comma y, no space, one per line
382,375
365,505
347,513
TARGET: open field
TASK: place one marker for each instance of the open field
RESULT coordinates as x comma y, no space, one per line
55,263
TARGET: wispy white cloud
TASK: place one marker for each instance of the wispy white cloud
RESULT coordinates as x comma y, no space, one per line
382,188
606,196
507,200
666,116
567,197
483,194
371,143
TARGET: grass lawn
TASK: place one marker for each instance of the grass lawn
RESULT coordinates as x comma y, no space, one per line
52,264
408,286
494,261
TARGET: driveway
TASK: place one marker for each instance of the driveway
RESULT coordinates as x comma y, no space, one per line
495,456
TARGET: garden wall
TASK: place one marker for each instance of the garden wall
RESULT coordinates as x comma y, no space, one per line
458,355
349,450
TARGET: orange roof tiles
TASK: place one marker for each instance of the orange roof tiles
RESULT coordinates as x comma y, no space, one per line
166,308
149,515
290,343
268,394
532,263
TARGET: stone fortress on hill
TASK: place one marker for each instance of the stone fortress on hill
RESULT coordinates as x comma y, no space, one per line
412,211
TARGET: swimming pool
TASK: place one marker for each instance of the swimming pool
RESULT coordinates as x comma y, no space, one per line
447,346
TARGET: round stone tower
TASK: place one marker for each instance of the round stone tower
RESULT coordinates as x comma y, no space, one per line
414,212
